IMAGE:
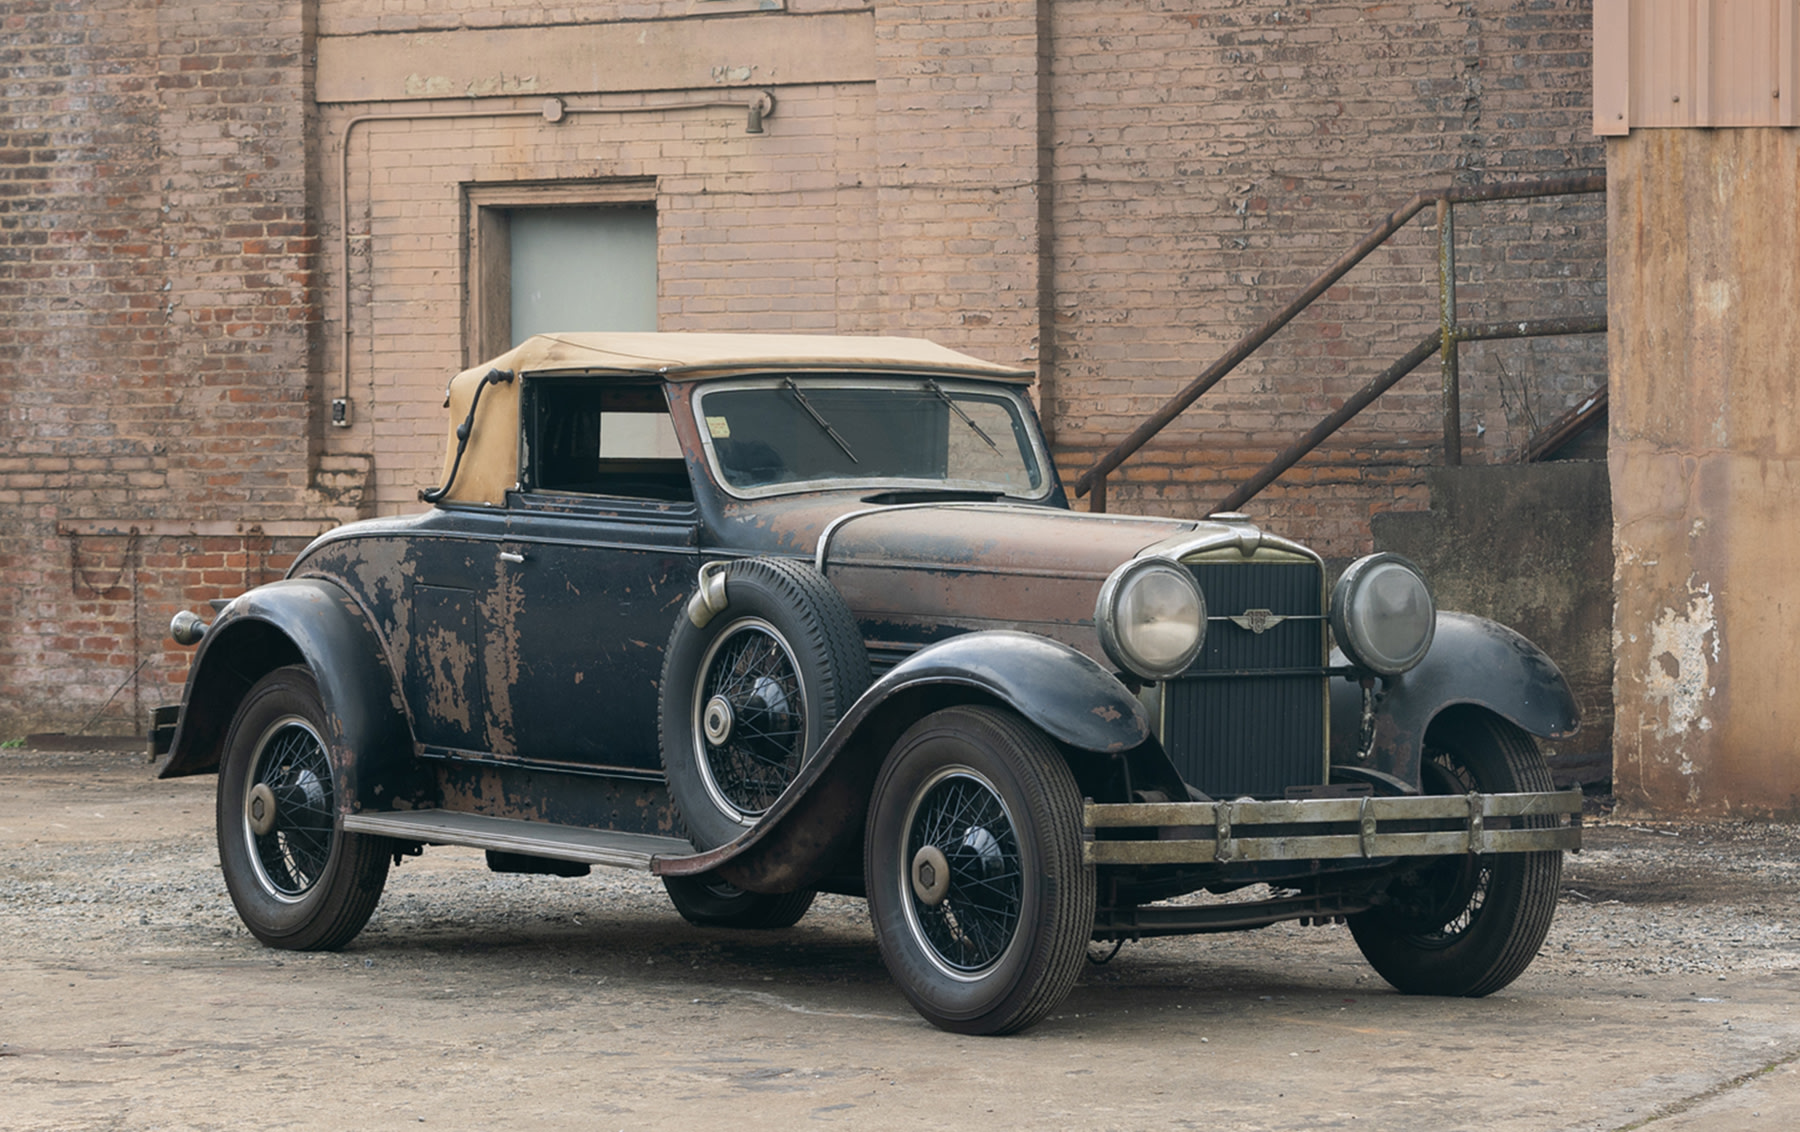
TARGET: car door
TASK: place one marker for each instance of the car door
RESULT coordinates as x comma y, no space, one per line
601,551
444,610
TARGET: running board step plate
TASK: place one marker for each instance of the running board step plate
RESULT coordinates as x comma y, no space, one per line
510,835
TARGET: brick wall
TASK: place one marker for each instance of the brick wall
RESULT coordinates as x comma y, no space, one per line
1212,159
1111,192
155,324
957,121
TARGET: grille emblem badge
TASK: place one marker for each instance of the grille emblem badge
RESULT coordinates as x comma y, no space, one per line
1258,621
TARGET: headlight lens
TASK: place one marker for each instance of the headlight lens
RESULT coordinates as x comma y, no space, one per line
1151,618
1383,615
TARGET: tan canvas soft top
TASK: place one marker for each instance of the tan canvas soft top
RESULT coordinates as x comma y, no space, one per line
490,463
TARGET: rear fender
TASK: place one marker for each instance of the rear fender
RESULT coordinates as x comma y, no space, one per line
818,822
312,622
1472,661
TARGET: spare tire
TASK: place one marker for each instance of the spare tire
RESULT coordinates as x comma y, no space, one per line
748,697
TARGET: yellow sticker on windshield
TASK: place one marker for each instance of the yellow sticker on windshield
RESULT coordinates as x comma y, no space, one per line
719,427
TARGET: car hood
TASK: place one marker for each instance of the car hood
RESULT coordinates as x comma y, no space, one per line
917,573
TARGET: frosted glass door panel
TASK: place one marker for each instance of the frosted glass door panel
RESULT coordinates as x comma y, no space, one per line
583,269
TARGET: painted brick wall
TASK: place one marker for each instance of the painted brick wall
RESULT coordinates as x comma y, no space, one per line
771,233
957,108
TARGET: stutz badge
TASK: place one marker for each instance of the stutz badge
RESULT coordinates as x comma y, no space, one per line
1258,621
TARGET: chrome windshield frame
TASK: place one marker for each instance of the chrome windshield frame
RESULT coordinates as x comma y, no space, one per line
921,382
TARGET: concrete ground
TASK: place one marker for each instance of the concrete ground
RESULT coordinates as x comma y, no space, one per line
131,998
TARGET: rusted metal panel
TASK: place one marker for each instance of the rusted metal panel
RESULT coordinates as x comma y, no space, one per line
316,623
921,571
492,788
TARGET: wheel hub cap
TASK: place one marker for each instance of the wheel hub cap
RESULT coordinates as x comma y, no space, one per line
717,720
260,809
930,875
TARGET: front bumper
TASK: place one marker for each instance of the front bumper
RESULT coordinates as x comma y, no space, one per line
1189,833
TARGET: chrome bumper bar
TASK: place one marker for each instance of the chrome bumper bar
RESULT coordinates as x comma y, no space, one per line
1189,833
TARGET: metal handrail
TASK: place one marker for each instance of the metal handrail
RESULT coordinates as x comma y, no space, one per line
1443,341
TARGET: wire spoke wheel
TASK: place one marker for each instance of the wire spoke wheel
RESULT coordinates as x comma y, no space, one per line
1467,924
981,903
749,718
292,768
1439,902
970,926
749,695
297,879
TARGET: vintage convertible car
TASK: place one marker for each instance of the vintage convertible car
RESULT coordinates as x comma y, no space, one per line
768,615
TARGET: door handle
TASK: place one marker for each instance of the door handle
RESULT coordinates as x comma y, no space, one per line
509,556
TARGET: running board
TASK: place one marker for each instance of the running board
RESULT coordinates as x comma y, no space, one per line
530,838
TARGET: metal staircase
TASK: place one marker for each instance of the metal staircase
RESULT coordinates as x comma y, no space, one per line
1443,342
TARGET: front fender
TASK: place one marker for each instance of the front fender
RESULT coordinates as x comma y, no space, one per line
820,818
306,621
1472,661
1059,689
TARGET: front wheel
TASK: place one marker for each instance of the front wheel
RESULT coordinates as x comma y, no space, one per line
298,880
1470,924
981,903
708,902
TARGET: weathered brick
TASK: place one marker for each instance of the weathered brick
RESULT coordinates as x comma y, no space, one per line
171,269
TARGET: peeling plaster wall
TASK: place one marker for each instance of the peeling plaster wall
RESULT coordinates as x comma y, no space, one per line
1705,452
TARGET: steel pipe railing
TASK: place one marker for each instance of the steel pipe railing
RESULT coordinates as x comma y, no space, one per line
1444,341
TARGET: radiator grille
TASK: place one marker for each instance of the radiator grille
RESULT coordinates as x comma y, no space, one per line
1249,716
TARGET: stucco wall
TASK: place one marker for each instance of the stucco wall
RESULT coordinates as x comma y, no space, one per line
1705,455
1530,546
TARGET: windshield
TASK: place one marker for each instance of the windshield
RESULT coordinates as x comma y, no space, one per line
825,431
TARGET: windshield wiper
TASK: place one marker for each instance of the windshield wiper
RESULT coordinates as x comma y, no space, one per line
957,409
817,419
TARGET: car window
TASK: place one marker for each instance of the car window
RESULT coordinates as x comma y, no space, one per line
829,431
600,437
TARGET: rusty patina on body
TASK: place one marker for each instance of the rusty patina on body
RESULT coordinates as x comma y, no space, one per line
728,607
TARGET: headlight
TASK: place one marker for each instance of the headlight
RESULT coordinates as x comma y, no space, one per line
1151,618
1382,614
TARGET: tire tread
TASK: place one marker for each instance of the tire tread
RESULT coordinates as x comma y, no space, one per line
1530,884
1066,896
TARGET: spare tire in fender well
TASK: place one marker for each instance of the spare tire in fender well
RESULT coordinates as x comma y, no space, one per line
803,838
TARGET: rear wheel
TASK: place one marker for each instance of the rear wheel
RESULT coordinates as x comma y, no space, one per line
298,881
709,902
981,903
1470,924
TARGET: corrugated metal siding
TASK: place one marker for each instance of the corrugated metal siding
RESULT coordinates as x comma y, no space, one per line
1693,63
